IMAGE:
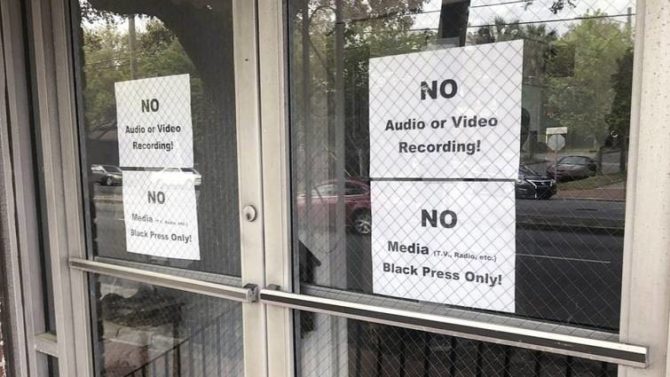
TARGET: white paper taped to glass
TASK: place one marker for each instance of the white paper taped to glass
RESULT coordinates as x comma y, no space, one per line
451,116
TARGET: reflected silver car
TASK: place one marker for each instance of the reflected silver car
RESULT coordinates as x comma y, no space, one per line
177,177
573,167
106,175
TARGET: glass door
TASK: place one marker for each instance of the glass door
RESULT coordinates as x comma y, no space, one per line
322,188
166,97
457,185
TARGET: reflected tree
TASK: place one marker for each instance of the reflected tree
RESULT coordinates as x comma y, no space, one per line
619,118
369,29
583,99
556,6
204,32
204,29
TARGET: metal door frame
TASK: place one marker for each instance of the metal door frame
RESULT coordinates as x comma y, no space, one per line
31,344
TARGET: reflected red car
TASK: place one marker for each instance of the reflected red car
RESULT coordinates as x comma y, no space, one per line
324,197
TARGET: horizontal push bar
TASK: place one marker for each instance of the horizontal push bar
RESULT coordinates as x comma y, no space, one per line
569,345
248,293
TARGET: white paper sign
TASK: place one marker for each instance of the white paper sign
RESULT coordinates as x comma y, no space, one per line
450,113
445,242
154,122
159,209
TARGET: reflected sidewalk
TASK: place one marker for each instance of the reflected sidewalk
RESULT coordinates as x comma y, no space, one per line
613,192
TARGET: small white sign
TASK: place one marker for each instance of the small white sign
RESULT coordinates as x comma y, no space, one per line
445,242
160,214
556,131
556,142
449,113
154,122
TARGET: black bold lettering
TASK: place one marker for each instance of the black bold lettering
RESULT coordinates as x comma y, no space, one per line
453,219
432,90
150,105
156,197
427,217
453,88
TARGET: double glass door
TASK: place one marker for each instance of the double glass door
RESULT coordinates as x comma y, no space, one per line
261,196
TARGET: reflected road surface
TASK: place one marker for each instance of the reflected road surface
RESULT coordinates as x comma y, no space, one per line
569,256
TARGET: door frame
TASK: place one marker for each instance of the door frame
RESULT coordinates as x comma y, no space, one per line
276,180
55,91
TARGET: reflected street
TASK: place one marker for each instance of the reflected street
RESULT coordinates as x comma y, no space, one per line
569,256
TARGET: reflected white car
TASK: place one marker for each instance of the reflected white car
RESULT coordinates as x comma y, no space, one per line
177,177
106,175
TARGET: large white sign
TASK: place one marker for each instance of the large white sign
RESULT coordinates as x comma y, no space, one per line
450,113
160,213
446,242
154,122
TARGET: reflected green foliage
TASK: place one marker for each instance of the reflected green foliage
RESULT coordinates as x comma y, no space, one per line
556,6
619,118
107,59
583,100
374,28
501,30
365,40
580,72
539,44
381,28
102,69
171,37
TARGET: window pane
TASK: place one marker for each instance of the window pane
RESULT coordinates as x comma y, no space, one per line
563,210
52,366
357,348
125,50
143,330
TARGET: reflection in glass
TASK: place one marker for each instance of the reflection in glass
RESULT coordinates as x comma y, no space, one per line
129,40
151,331
577,72
372,350
52,366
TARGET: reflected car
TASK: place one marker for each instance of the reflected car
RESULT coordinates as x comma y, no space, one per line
572,167
532,185
197,178
324,198
106,175
176,176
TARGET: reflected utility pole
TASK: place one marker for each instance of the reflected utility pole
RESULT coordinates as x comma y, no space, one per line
340,153
453,28
339,259
629,24
307,125
132,39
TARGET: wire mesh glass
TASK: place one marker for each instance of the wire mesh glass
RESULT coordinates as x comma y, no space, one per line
540,203
561,212
144,330
126,53
363,349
